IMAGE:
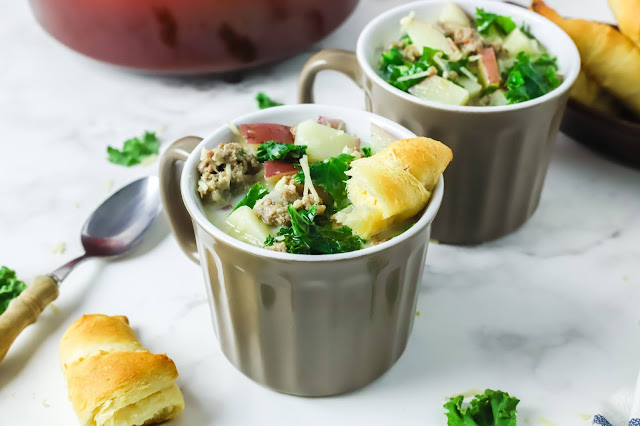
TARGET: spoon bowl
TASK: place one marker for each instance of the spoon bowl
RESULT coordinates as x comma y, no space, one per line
121,220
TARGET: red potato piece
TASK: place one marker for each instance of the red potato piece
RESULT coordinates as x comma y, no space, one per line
277,169
334,123
489,67
258,133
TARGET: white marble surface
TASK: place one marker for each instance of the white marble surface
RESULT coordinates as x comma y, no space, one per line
550,313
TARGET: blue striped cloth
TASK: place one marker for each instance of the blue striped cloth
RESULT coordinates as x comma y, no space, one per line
598,419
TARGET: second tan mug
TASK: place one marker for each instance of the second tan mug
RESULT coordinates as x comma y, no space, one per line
501,153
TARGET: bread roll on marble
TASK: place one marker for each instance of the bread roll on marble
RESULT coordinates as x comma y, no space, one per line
627,13
112,379
392,185
608,56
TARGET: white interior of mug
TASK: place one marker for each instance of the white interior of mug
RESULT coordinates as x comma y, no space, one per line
386,28
357,122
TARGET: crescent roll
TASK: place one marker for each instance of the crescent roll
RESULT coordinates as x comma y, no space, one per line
609,57
392,185
627,13
586,91
112,379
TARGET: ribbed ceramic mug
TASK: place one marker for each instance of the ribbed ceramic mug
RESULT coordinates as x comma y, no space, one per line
501,153
300,324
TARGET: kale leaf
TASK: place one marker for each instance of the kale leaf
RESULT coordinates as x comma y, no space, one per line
134,150
265,101
256,192
269,241
272,150
529,79
485,21
10,287
308,237
526,30
330,176
492,408
396,71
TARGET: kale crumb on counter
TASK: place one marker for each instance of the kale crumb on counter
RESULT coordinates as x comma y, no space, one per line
491,408
135,150
265,101
10,287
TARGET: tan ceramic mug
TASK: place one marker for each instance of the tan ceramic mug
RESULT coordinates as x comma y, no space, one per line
501,153
300,324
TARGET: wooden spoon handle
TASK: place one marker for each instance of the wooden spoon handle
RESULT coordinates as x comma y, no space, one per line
25,309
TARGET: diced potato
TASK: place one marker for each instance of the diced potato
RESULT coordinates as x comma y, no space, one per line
258,133
488,68
498,98
380,138
274,170
441,90
245,225
472,86
425,34
322,141
453,14
517,41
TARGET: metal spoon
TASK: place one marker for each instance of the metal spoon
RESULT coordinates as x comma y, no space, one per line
112,229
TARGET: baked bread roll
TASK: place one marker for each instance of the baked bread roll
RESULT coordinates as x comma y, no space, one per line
112,379
627,13
586,91
608,56
392,185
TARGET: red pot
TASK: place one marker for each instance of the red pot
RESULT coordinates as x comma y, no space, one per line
190,36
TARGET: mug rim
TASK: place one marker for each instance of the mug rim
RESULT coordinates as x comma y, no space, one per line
196,214
528,17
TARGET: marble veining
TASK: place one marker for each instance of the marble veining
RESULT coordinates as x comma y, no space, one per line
549,313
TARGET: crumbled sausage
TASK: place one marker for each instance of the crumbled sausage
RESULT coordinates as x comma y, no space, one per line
225,169
468,40
272,208
281,247
411,53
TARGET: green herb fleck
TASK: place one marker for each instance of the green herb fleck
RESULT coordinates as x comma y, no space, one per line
526,30
308,237
529,79
330,176
265,101
407,40
366,150
272,150
256,192
492,408
134,150
10,287
485,21
269,241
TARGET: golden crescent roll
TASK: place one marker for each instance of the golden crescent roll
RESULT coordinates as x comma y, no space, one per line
609,57
112,379
392,185
627,13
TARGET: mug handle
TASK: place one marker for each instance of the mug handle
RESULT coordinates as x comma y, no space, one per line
339,60
179,218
